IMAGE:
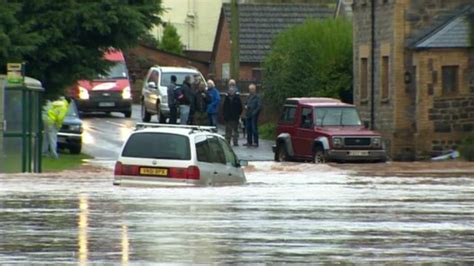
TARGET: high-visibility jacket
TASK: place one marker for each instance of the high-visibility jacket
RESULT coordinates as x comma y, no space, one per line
55,113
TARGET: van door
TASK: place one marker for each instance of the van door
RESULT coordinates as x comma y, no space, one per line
151,94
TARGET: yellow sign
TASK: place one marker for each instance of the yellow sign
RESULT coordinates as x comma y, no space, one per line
15,73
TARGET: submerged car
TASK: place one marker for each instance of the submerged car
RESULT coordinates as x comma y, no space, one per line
175,155
70,134
325,129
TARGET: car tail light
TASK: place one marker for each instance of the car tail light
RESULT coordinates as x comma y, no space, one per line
118,168
121,169
192,172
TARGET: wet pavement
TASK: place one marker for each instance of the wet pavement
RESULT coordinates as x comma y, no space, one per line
296,213
104,136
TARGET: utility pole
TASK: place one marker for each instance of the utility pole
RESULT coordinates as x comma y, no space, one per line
372,87
234,31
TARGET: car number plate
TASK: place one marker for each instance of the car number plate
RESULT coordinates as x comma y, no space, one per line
106,104
359,153
154,171
62,139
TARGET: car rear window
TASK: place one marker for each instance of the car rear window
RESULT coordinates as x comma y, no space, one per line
157,146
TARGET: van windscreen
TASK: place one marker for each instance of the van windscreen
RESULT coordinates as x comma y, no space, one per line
157,146
117,71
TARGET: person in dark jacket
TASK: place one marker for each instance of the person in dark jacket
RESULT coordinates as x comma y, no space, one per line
184,98
232,110
172,102
252,108
201,101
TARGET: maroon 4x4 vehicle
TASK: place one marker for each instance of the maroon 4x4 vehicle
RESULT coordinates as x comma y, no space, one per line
325,129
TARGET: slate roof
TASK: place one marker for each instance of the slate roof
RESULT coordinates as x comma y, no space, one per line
450,30
260,23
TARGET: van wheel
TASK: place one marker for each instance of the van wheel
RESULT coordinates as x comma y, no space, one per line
319,156
282,154
145,115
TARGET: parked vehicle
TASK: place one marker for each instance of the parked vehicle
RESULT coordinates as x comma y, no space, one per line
175,155
70,134
108,93
325,129
154,99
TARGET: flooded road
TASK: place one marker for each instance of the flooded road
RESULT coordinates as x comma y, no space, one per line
296,213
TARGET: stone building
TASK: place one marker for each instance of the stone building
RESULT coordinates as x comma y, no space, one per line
423,73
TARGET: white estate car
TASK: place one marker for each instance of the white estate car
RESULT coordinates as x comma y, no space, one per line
154,98
175,155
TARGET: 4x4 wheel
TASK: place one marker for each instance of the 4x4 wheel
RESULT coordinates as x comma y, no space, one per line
281,154
145,115
319,156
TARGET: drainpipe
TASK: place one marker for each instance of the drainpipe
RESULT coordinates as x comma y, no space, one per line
372,89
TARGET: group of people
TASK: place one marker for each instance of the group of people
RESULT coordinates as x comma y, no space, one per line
199,106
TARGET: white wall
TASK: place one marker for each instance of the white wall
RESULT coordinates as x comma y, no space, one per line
195,20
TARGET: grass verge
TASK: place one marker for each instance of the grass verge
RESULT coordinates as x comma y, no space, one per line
267,131
66,161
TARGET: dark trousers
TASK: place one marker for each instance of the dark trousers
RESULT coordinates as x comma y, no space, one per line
232,131
251,126
173,114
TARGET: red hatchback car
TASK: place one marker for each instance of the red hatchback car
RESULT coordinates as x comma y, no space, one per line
325,129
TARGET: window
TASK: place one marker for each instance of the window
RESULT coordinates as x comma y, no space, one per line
364,71
166,78
385,77
158,146
230,157
337,116
216,153
257,74
306,118
288,114
154,76
450,79
203,152
117,71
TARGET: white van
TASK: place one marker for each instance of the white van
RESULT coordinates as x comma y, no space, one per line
154,98
175,155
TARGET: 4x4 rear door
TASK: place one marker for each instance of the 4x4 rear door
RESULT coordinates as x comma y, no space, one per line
304,136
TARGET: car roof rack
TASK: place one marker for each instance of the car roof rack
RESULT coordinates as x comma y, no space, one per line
193,128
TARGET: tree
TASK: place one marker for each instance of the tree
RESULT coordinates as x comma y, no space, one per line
64,41
171,41
312,59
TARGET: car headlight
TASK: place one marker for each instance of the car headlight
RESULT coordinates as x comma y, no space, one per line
337,141
75,128
126,93
376,141
83,93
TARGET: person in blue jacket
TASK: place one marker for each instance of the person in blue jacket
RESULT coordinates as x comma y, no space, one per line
213,105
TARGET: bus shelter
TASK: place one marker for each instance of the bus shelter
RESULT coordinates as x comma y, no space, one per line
20,126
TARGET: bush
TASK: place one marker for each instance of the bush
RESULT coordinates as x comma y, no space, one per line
313,59
467,148
267,131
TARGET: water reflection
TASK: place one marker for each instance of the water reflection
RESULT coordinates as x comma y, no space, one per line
83,226
125,245
279,217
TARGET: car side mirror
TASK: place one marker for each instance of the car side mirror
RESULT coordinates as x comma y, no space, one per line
243,163
152,85
366,124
